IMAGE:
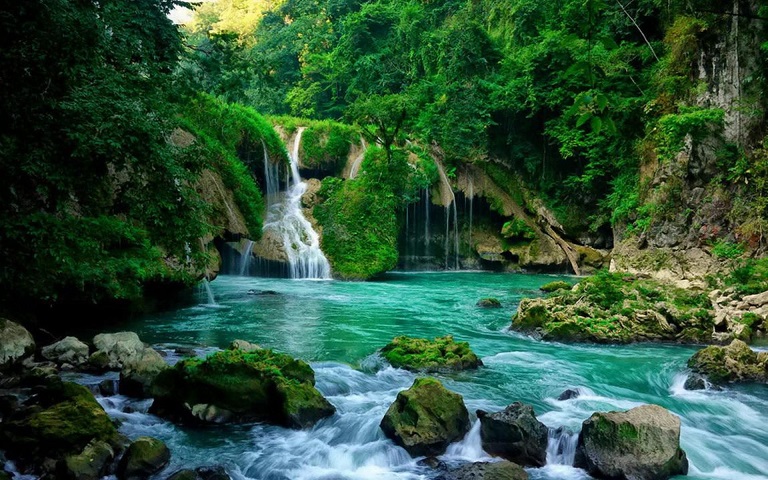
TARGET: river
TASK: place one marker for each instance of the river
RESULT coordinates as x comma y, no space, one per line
338,326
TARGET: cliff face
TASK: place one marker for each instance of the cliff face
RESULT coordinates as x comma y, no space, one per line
702,199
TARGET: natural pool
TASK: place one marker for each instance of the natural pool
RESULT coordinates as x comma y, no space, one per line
337,326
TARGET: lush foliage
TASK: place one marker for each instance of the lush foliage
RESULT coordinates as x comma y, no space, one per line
359,217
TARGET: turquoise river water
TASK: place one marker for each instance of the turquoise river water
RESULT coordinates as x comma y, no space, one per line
338,326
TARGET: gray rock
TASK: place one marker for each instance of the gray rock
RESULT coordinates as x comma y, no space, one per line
244,346
514,434
67,350
139,371
695,382
119,347
16,343
640,444
569,394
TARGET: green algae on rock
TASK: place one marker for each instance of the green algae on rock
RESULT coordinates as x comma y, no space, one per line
442,354
426,418
555,286
618,308
489,303
240,386
733,363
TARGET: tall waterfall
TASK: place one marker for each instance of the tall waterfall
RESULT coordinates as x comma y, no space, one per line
286,219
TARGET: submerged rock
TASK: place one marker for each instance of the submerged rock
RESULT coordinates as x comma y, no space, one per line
640,444
144,457
16,343
569,394
426,418
733,363
514,434
489,303
67,350
487,471
442,354
240,386
695,382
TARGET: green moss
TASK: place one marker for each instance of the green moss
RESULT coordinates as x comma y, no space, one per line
359,220
489,303
68,418
420,354
555,286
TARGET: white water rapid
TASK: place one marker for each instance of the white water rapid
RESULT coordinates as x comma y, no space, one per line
300,241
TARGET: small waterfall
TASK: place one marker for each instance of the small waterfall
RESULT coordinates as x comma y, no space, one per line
561,446
470,447
300,241
271,178
471,196
359,160
456,235
245,258
205,287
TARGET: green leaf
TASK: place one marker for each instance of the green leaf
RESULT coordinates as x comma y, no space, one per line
583,119
596,124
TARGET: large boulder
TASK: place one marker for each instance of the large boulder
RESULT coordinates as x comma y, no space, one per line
640,444
426,418
733,363
140,371
514,434
67,350
16,343
236,386
487,471
60,421
143,458
118,348
442,354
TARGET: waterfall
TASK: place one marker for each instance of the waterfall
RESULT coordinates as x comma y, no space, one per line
471,195
205,286
245,258
470,447
561,446
359,160
271,178
300,241
456,235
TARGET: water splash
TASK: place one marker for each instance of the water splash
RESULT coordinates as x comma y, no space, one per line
300,241
205,287
561,446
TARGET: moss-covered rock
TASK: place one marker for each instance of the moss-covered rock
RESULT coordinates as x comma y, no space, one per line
92,463
60,421
489,303
442,354
555,286
618,308
426,418
640,444
240,386
144,457
733,363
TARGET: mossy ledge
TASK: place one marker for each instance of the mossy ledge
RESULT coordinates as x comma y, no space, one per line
618,308
442,354
237,386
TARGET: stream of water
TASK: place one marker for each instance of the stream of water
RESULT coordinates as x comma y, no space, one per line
338,326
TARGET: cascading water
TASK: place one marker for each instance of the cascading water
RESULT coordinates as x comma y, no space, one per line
205,287
245,257
561,446
271,178
300,241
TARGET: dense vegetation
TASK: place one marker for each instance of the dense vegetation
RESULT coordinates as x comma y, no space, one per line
575,96
99,197
577,102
